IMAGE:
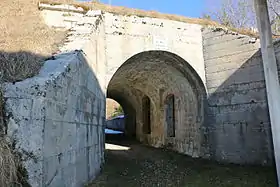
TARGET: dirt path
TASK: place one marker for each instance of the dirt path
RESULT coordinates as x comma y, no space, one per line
138,165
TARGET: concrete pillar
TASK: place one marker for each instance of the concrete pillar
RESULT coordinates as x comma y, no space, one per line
271,75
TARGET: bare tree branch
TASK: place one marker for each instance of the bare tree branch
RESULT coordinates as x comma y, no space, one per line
241,14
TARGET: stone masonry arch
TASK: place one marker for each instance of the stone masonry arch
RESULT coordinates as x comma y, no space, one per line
157,74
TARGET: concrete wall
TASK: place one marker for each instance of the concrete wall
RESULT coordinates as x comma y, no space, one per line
238,119
229,65
178,45
176,67
56,119
127,36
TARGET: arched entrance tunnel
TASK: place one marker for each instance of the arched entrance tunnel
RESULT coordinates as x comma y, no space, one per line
163,100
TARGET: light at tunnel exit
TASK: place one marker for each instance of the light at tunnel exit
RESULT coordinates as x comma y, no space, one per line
109,131
116,147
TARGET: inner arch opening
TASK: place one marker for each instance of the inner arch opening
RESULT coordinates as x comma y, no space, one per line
144,84
113,109
129,112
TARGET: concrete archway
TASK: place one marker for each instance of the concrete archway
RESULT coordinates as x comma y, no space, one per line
155,75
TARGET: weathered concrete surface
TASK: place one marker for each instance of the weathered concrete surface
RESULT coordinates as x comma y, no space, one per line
56,121
168,68
238,119
141,58
57,118
271,76
86,33
144,59
127,36
158,74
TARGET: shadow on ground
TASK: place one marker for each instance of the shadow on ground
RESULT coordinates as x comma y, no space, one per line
130,164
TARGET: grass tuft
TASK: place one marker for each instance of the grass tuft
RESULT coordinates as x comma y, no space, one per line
8,162
20,65
25,41
8,165
12,174
23,29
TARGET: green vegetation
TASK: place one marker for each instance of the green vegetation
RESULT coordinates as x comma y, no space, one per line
117,112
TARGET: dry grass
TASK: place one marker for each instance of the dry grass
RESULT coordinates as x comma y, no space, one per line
8,161
11,172
19,65
130,11
2,123
22,29
25,41
142,13
8,165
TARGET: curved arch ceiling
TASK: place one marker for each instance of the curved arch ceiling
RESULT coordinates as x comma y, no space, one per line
157,74
151,71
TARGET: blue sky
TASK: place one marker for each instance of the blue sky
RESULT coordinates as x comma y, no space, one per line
189,8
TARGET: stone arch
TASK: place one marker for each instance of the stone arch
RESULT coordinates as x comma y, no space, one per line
128,106
157,74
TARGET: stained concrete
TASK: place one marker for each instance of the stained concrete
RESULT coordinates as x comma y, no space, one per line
216,77
237,119
271,75
57,119
56,122
127,36
142,59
